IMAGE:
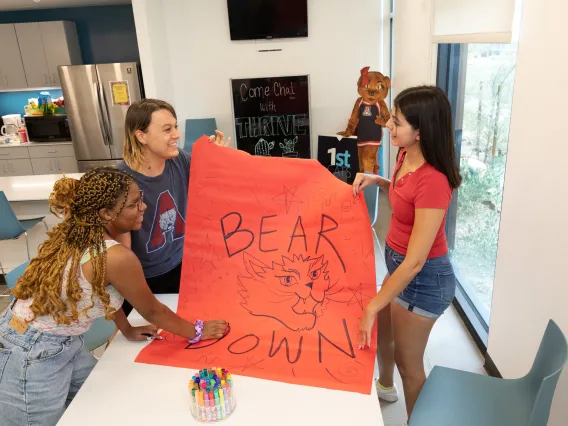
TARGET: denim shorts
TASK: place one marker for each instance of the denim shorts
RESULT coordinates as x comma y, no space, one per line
431,291
40,373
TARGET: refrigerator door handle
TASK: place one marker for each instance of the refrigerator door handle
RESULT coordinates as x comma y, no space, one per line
100,116
106,118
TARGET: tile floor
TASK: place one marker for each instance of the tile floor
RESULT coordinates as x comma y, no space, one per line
450,344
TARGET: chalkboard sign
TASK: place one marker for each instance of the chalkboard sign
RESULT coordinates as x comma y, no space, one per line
339,156
272,116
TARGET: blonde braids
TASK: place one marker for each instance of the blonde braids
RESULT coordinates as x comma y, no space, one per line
82,229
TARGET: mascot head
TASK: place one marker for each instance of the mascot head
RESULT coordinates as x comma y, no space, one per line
373,86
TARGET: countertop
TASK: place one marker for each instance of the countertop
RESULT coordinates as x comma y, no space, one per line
31,188
12,145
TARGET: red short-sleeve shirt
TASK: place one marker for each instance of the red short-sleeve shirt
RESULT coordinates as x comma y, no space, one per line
424,188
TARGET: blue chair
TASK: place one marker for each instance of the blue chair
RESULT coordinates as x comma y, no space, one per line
452,397
98,334
372,199
11,228
195,128
12,276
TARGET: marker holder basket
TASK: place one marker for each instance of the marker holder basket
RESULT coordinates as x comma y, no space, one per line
210,409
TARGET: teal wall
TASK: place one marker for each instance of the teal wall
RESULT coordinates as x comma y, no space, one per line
106,34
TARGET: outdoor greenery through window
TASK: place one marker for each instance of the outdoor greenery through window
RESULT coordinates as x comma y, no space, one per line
487,99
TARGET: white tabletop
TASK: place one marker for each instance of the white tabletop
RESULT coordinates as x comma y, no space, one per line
122,392
31,188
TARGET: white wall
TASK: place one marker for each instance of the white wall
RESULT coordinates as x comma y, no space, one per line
414,54
344,36
531,285
153,46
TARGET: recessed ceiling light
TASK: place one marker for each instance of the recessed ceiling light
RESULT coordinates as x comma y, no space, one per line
37,1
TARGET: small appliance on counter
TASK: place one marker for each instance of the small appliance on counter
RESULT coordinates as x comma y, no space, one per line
10,131
48,128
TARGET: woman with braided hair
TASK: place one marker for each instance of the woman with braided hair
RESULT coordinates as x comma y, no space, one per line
66,287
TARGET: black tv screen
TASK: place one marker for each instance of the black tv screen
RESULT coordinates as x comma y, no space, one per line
261,19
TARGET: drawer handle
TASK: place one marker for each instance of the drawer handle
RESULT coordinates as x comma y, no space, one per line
52,152
4,154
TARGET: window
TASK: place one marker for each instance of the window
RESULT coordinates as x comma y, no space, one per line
478,79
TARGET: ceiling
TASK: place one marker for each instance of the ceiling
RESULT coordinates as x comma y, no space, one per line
52,4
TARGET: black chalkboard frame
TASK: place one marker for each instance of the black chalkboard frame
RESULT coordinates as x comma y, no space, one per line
306,152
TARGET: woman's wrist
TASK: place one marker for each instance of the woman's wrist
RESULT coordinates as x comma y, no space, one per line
126,330
191,334
198,332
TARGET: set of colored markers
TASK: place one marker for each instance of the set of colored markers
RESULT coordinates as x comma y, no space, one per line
212,397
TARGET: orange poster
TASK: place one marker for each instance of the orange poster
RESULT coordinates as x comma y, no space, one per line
280,249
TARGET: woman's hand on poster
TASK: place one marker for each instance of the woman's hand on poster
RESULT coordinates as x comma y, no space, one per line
146,332
362,180
214,329
365,329
219,139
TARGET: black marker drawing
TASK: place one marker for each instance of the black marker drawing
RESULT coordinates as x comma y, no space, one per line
358,296
291,292
288,196
249,363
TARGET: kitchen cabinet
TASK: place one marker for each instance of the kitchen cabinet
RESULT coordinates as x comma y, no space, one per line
49,166
33,54
19,167
61,45
12,74
43,47
38,159
51,150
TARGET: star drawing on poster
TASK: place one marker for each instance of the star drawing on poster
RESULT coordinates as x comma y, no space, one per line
288,196
358,296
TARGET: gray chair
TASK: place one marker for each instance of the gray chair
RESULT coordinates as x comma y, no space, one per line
195,128
11,228
452,397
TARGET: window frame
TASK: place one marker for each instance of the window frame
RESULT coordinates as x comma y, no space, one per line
450,77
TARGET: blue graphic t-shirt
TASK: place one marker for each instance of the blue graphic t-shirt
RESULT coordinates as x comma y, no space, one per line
159,243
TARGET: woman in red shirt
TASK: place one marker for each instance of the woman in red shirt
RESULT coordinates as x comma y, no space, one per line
420,283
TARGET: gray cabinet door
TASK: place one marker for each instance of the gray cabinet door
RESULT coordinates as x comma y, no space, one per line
44,166
21,167
33,54
66,165
12,74
55,47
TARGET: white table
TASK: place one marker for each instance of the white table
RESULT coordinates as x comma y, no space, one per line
122,392
31,188
28,197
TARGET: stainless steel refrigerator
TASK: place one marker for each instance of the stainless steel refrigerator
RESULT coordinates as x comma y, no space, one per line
96,100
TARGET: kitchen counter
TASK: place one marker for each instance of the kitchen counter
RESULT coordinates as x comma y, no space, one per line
12,145
31,188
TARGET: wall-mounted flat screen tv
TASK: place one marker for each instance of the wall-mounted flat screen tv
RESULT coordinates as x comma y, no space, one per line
266,19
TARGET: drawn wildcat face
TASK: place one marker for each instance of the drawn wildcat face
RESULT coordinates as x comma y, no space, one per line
304,277
292,291
296,276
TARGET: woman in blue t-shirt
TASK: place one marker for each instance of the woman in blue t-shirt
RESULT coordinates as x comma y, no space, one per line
161,170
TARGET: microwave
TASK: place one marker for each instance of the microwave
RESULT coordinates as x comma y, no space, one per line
48,128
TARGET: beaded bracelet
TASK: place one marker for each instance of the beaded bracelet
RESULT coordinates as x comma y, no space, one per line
198,332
